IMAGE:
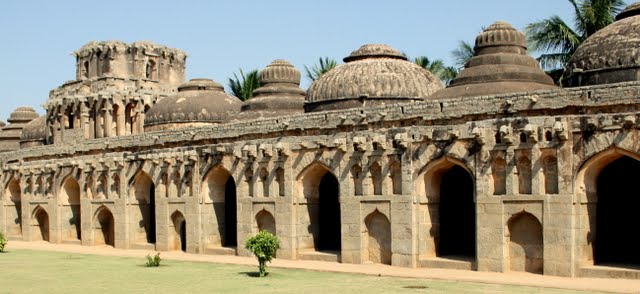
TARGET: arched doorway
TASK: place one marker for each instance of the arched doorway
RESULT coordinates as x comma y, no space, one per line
378,238
70,210
266,222
616,212
41,221
104,228
144,209
178,239
218,190
525,243
13,208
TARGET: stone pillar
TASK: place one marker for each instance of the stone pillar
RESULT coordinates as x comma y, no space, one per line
107,119
511,173
140,118
86,213
85,121
537,175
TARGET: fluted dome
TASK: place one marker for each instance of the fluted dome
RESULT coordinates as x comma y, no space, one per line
375,74
279,93
500,65
34,133
10,135
611,55
198,102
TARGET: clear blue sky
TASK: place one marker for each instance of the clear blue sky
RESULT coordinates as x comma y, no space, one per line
38,37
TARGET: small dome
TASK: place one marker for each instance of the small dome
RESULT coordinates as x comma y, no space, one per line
11,133
372,75
34,133
279,93
500,65
198,102
611,55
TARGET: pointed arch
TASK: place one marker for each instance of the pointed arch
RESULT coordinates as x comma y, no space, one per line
70,214
601,184
265,221
143,208
550,173
280,180
218,190
523,165
13,207
448,187
525,243
178,236
499,173
40,224
356,175
115,187
321,227
102,187
103,227
395,174
378,238
375,173
263,176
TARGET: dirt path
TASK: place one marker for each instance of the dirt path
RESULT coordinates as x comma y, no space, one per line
523,279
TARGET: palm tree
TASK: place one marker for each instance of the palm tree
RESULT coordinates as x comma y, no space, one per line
317,70
558,41
243,86
463,53
438,68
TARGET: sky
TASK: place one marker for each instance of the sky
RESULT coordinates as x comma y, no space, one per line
221,37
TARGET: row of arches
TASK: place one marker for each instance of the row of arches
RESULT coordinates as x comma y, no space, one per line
450,191
548,164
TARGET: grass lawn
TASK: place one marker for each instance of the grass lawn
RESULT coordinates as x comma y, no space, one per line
25,271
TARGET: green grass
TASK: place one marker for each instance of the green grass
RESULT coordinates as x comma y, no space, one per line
25,271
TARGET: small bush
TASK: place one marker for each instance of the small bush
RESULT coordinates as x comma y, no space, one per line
3,242
153,261
264,246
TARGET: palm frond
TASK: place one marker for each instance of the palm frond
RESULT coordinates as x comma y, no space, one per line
242,86
552,34
462,54
324,65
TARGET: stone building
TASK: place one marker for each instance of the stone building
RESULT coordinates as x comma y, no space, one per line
376,162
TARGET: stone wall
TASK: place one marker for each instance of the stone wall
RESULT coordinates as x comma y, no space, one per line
531,159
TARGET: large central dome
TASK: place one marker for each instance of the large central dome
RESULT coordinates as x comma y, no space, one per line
373,75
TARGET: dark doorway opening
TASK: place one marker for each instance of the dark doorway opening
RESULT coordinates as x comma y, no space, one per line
183,236
617,214
230,214
151,233
329,214
457,214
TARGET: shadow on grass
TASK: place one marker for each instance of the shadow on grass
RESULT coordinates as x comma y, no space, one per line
252,274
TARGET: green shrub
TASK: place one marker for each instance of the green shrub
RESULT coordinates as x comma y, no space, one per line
3,242
264,246
153,261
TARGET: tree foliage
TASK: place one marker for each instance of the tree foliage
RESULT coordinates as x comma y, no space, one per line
438,68
462,54
242,86
3,242
324,65
558,41
264,246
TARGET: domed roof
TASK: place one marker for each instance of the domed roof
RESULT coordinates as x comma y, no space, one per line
500,65
10,134
611,55
374,74
197,101
35,130
279,93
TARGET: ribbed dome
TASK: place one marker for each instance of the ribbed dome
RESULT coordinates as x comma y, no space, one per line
10,135
198,101
611,55
279,93
34,133
500,65
373,75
